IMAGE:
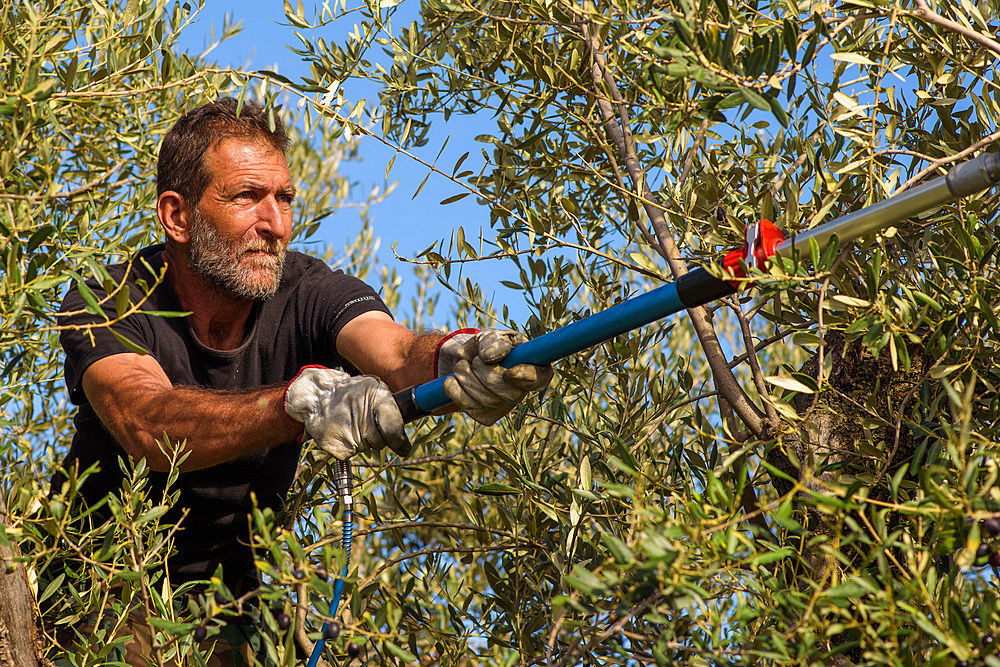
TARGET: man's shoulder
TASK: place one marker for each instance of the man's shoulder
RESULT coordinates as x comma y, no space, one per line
302,268
143,270
145,264
295,260
310,282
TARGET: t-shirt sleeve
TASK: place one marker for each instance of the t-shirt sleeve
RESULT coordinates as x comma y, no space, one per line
361,299
332,300
87,336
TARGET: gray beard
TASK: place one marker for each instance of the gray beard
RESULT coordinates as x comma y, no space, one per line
221,262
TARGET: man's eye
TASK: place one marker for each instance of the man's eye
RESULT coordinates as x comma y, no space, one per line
245,195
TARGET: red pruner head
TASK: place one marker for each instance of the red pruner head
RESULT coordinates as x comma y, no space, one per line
764,238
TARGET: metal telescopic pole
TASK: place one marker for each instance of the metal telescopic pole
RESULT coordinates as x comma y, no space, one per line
699,286
963,180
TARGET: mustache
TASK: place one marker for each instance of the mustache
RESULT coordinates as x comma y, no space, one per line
271,247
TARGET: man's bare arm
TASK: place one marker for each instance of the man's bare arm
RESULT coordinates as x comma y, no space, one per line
378,346
137,404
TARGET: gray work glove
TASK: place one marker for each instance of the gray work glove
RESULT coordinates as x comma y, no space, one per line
344,414
478,385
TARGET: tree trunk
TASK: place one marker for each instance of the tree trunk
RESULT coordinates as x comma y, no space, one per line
18,629
833,448
851,427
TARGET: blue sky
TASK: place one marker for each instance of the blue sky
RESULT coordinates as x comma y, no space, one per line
411,223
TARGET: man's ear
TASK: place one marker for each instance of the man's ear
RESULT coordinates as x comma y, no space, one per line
175,216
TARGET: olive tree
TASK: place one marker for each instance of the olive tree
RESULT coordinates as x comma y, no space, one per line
803,473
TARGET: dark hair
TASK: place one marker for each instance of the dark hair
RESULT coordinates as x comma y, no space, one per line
181,164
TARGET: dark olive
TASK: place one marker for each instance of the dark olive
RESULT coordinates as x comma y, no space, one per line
200,633
298,573
220,598
995,559
983,550
321,573
353,650
331,630
284,621
991,527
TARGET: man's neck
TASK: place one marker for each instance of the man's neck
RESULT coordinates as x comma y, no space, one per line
217,317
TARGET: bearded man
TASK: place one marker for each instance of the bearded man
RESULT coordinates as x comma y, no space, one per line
252,368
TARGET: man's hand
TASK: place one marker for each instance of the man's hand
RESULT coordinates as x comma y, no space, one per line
344,414
478,385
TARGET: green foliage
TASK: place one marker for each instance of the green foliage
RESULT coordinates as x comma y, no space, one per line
826,511
643,519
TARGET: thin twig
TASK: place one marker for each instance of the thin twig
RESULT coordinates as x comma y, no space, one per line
689,160
951,158
615,627
923,11
431,550
761,345
724,379
71,193
755,371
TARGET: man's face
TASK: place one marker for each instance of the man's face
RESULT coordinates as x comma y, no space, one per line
241,226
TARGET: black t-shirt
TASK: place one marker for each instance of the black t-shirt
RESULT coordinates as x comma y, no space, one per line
296,327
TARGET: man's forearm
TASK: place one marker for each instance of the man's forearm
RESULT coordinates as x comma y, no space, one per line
378,346
210,427
418,365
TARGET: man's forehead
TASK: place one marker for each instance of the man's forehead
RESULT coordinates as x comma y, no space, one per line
241,158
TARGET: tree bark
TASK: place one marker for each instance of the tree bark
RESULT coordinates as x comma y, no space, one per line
18,629
831,431
617,127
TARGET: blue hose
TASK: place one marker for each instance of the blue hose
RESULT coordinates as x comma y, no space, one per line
342,478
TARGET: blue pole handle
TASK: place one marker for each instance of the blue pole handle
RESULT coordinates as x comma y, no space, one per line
692,289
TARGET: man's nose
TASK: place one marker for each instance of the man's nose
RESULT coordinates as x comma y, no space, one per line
271,218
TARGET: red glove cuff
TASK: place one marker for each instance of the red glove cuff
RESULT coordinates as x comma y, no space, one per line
437,349
284,400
